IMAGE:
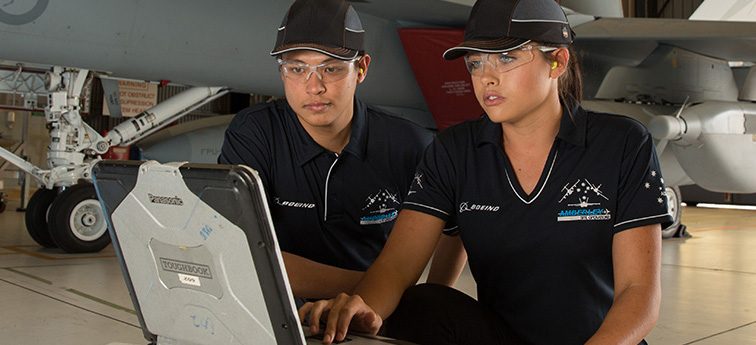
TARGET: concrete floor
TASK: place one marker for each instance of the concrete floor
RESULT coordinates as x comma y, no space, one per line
48,297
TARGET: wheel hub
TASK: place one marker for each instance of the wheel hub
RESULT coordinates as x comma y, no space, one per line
87,220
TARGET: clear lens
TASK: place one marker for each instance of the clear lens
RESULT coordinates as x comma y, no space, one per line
327,72
501,62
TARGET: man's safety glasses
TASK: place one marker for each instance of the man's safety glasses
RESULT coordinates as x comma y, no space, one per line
502,62
328,72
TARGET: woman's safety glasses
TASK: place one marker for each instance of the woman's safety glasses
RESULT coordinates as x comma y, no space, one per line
328,72
502,62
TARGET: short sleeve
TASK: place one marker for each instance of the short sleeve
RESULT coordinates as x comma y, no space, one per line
246,143
432,189
642,199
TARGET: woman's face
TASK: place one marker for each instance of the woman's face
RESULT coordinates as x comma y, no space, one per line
522,83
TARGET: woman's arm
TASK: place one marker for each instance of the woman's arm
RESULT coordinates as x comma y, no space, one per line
448,261
636,255
400,264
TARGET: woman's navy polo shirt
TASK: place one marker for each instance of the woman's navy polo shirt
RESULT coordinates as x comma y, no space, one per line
334,209
544,261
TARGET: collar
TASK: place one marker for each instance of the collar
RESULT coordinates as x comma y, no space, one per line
572,127
305,148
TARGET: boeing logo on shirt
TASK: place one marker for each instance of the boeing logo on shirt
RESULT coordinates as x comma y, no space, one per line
587,198
381,208
294,204
465,206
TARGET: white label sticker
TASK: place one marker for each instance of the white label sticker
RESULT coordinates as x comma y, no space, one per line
189,280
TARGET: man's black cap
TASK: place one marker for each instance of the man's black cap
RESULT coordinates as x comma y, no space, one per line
331,27
497,26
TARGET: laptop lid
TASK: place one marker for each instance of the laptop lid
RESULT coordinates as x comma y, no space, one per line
198,252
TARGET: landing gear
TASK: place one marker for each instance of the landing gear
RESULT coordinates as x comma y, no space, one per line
37,214
675,210
76,220
72,220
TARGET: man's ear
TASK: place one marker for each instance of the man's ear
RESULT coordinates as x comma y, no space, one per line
362,68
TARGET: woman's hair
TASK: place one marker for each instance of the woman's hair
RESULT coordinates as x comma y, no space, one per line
571,82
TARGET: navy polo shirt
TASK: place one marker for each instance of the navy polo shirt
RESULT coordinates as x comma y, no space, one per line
543,261
336,209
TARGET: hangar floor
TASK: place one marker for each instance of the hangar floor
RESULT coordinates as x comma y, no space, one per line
48,297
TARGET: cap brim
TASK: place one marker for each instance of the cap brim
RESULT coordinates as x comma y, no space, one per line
497,45
339,53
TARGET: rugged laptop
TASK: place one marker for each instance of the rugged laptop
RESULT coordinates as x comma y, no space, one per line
199,254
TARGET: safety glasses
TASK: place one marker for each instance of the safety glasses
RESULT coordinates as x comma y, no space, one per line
328,72
502,62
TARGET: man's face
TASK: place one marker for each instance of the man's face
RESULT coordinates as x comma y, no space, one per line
320,103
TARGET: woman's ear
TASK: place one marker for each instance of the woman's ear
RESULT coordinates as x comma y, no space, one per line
561,59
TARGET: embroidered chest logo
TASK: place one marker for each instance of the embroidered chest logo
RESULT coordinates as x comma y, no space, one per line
294,204
468,207
380,208
584,200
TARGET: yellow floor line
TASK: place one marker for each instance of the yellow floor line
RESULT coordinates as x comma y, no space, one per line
74,291
48,282
101,301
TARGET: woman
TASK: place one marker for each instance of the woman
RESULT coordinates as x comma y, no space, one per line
559,209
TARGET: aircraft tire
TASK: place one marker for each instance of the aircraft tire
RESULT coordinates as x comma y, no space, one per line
675,210
37,211
77,220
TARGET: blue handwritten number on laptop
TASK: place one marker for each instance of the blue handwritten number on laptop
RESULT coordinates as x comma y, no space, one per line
205,232
206,323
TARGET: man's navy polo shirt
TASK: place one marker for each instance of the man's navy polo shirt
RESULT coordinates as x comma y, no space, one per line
544,261
333,209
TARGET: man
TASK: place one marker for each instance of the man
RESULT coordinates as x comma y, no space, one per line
335,170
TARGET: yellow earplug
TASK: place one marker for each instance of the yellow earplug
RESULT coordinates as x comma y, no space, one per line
554,66
362,71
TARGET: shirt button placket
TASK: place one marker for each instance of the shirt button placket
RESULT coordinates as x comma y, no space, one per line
330,189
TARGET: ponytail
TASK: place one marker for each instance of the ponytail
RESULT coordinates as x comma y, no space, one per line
571,82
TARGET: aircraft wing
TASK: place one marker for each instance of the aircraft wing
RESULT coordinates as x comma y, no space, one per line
732,41
608,42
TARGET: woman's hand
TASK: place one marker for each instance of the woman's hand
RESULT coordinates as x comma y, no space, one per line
400,264
341,314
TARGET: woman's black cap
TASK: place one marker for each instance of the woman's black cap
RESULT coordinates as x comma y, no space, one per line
497,26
